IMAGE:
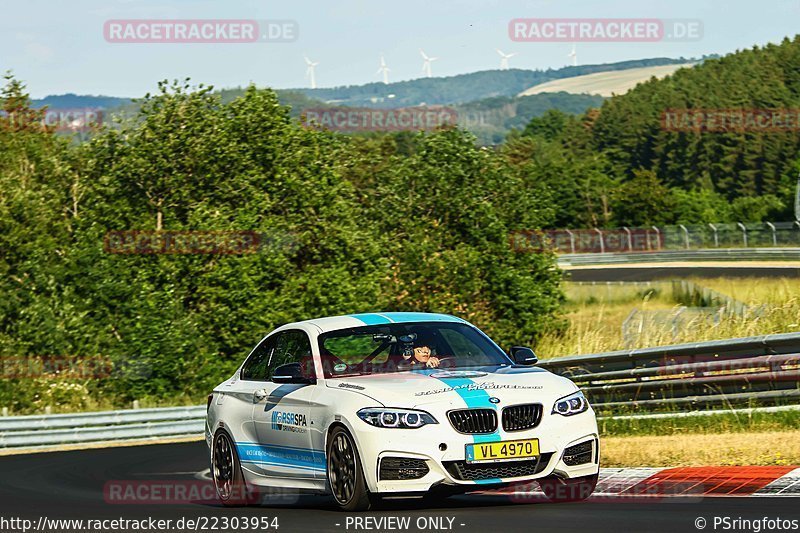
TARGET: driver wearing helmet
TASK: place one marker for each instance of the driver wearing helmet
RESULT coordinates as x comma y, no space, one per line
421,356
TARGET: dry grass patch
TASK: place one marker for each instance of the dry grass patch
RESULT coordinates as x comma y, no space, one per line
721,449
595,314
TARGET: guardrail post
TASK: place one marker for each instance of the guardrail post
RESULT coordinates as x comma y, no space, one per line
571,241
744,233
48,410
136,404
5,411
630,240
774,233
716,235
658,237
797,223
602,244
685,235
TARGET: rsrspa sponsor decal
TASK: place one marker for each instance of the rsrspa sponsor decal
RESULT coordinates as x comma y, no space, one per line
490,385
286,421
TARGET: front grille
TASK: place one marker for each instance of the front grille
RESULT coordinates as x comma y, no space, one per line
402,468
578,454
519,417
474,421
464,471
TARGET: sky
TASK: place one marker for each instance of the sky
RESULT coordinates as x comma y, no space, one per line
58,47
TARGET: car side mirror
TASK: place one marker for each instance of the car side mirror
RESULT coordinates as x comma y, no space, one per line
290,373
522,355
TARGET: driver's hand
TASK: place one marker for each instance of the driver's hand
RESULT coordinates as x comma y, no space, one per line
433,362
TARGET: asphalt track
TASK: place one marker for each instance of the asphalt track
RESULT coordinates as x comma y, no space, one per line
645,272
71,485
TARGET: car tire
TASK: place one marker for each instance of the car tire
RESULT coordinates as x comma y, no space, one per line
226,472
344,472
560,490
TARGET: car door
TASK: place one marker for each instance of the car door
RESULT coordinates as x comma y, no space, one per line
252,379
282,415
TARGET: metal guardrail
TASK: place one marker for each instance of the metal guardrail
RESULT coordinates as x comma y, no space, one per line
751,371
665,256
48,430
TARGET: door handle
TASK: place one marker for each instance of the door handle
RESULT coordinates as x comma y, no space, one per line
261,394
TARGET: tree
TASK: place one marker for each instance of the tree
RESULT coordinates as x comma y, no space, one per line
643,201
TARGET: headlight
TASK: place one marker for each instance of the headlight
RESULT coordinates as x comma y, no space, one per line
385,417
571,405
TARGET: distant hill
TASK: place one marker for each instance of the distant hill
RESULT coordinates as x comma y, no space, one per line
464,87
491,119
71,101
606,83
449,90
486,102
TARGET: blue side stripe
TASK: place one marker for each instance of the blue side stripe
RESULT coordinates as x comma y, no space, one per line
301,458
286,465
282,446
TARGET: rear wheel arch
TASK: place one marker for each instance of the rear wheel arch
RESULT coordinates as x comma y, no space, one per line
240,491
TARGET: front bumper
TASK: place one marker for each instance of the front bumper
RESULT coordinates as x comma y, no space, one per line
436,455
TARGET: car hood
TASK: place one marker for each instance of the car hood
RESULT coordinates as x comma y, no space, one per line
458,388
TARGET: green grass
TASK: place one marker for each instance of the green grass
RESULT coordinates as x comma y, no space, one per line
595,315
728,422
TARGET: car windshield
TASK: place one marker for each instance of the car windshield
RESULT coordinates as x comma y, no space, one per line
409,346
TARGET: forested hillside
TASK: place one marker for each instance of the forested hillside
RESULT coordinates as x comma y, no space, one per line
619,165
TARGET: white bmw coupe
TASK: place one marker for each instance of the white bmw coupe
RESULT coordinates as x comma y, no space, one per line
396,405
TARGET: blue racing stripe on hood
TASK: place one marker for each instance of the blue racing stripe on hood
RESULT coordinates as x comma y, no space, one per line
474,399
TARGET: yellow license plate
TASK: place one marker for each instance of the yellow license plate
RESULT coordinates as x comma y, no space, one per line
502,451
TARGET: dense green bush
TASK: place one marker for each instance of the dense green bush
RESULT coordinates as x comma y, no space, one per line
408,222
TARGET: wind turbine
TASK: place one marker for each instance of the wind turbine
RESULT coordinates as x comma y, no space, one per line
574,56
426,63
310,72
504,58
384,70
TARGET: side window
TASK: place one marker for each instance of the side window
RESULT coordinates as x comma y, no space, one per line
292,346
256,368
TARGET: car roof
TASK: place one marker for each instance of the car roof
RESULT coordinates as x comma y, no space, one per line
368,319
